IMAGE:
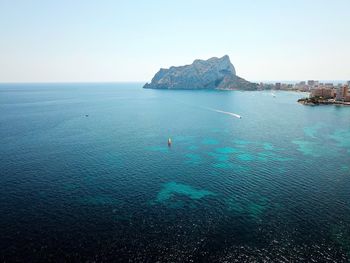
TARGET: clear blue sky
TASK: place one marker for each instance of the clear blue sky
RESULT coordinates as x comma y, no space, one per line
82,40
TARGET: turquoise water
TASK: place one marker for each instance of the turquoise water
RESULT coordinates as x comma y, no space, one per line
86,174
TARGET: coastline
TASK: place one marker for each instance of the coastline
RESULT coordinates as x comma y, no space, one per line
310,102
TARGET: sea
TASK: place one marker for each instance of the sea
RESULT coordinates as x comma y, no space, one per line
86,175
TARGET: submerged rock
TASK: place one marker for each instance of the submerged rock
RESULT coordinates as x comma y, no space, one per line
214,73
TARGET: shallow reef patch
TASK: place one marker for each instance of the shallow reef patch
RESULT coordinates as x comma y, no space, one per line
171,189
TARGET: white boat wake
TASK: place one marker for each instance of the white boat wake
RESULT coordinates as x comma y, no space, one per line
212,109
226,112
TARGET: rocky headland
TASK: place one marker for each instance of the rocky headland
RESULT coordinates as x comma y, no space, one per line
214,73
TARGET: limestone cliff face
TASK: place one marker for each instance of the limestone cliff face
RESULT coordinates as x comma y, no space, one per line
214,73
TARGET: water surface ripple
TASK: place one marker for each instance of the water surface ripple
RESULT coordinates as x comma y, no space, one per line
86,175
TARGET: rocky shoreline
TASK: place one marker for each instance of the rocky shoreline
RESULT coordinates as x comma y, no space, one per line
317,101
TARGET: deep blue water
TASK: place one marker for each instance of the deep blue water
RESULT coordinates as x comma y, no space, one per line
273,186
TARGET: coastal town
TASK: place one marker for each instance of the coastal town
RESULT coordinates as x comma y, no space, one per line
319,93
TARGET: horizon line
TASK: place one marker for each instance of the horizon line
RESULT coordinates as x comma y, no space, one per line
140,82
67,82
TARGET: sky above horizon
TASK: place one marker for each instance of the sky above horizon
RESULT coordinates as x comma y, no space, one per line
92,41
